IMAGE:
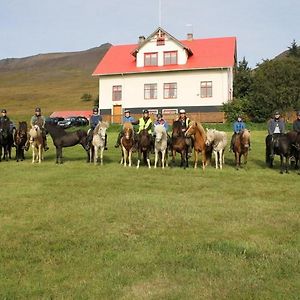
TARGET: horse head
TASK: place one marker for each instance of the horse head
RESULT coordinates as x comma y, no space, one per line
245,138
101,129
177,129
210,136
83,139
191,129
160,132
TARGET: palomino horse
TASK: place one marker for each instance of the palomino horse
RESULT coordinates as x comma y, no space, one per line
127,143
21,138
218,141
241,147
144,147
161,144
98,142
178,144
37,143
198,132
62,139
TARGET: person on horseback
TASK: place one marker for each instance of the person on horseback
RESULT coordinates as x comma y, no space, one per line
94,120
296,124
127,118
5,119
160,121
238,126
38,119
185,122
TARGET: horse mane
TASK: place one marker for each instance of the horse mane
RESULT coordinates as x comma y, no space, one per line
22,126
200,128
127,125
101,125
159,128
55,130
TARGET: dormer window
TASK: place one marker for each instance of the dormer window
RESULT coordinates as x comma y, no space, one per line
150,59
170,58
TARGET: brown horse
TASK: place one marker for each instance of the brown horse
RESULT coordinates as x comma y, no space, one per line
144,147
198,132
37,143
20,139
127,143
178,144
241,147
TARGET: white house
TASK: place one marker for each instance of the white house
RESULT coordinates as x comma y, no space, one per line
161,73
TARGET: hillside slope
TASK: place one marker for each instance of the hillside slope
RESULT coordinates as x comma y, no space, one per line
54,81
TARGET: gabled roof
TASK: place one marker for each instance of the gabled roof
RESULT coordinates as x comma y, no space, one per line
207,54
159,31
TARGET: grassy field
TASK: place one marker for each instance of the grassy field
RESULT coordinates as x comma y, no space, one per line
108,232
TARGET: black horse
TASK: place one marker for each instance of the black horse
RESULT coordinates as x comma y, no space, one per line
179,144
62,139
20,139
280,144
6,140
294,137
144,147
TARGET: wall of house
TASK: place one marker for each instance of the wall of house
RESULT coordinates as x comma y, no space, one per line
188,89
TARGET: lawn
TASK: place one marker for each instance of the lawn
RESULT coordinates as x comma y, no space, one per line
107,232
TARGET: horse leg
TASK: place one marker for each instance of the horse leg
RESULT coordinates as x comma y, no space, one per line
216,158
148,159
33,154
221,159
101,155
166,157
156,158
129,157
139,159
163,153
40,153
124,156
281,163
287,164
195,158
173,157
96,149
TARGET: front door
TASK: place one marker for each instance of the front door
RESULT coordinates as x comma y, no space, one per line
117,114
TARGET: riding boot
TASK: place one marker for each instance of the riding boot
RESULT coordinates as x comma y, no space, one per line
119,139
232,143
45,144
105,142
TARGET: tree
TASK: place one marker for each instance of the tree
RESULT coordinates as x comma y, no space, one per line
86,97
294,50
242,83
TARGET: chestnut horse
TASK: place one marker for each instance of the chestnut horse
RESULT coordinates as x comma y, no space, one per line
178,144
198,132
127,143
241,147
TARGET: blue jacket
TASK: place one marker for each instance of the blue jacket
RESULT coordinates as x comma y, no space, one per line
94,120
238,126
129,119
161,122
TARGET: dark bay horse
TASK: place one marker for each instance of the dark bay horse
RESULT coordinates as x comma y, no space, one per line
279,144
127,143
241,147
294,137
178,144
20,139
6,140
198,132
62,139
144,147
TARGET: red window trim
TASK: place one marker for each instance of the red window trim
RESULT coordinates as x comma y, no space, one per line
151,53
205,89
169,52
116,92
175,83
155,89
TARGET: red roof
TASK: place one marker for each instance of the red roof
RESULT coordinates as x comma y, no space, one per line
72,113
207,53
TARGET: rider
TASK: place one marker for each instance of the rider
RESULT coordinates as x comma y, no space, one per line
126,118
5,119
94,120
185,121
238,126
296,124
38,119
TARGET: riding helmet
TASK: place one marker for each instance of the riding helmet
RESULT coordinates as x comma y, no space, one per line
3,111
37,109
95,109
182,111
126,111
277,112
159,115
145,111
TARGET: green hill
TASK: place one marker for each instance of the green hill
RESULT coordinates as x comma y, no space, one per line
54,81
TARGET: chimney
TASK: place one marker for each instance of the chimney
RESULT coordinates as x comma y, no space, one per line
141,39
189,36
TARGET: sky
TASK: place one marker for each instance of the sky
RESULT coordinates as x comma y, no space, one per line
264,28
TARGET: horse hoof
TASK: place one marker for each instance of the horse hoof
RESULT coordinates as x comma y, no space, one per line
281,172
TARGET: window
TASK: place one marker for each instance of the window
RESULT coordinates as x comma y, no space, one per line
170,58
160,40
150,91
150,59
206,89
170,90
117,93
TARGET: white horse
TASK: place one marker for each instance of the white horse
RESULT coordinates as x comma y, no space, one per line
160,146
98,142
37,143
218,141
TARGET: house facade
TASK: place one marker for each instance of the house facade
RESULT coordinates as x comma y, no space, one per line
163,74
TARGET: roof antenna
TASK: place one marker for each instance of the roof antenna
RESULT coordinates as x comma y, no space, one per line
159,13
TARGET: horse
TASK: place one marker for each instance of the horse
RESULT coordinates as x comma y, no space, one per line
279,144
218,141
6,140
127,143
98,142
241,147
37,143
21,138
144,147
160,145
62,139
178,144
198,132
294,137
